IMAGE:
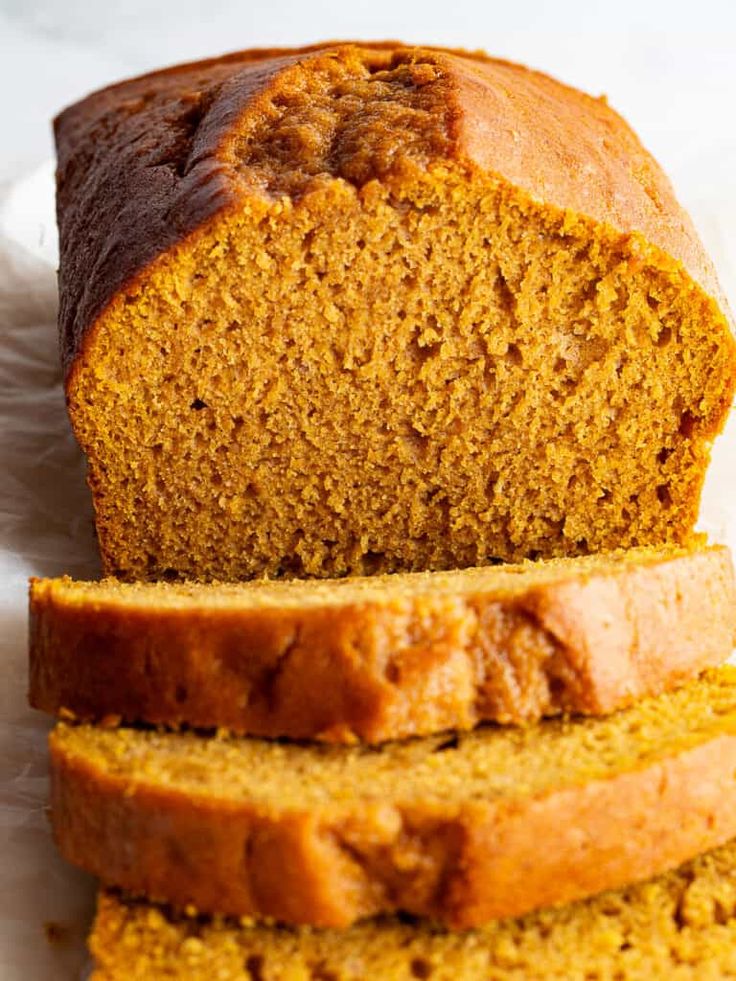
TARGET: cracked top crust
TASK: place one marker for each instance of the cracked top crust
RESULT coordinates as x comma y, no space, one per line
144,163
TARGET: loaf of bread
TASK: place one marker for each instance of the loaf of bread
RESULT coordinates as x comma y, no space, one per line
387,656
373,308
678,927
460,828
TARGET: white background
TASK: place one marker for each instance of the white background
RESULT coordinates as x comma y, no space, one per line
669,67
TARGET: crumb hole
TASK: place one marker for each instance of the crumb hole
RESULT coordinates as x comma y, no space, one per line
513,354
664,454
420,968
416,441
372,562
254,967
506,294
687,424
452,742
419,352
557,690
722,914
663,495
290,567
198,404
664,337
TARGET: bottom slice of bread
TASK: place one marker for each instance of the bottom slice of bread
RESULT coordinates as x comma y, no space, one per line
681,925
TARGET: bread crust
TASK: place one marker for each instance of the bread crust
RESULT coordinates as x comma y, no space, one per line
593,639
461,862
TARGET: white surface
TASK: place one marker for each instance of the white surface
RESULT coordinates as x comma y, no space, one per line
668,66
45,522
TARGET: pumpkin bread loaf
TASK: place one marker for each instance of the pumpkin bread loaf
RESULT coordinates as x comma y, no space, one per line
461,828
386,656
679,927
370,308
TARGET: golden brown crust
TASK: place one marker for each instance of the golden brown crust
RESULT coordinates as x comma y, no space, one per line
592,639
458,860
144,163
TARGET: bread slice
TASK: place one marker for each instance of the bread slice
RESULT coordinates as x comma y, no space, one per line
383,657
374,308
460,828
680,926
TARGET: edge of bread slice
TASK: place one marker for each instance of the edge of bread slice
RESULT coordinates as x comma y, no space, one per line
680,926
383,657
462,829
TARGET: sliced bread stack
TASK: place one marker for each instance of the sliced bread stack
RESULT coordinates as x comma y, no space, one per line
386,317
630,774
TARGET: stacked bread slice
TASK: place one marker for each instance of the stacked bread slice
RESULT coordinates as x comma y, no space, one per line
394,802
679,926
384,657
370,321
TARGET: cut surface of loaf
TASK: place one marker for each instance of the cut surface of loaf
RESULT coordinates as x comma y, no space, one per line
386,656
680,926
373,308
461,828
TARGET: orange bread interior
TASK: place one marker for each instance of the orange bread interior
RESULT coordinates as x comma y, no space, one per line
368,309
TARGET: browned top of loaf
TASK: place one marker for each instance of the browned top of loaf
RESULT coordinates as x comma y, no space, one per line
145,162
